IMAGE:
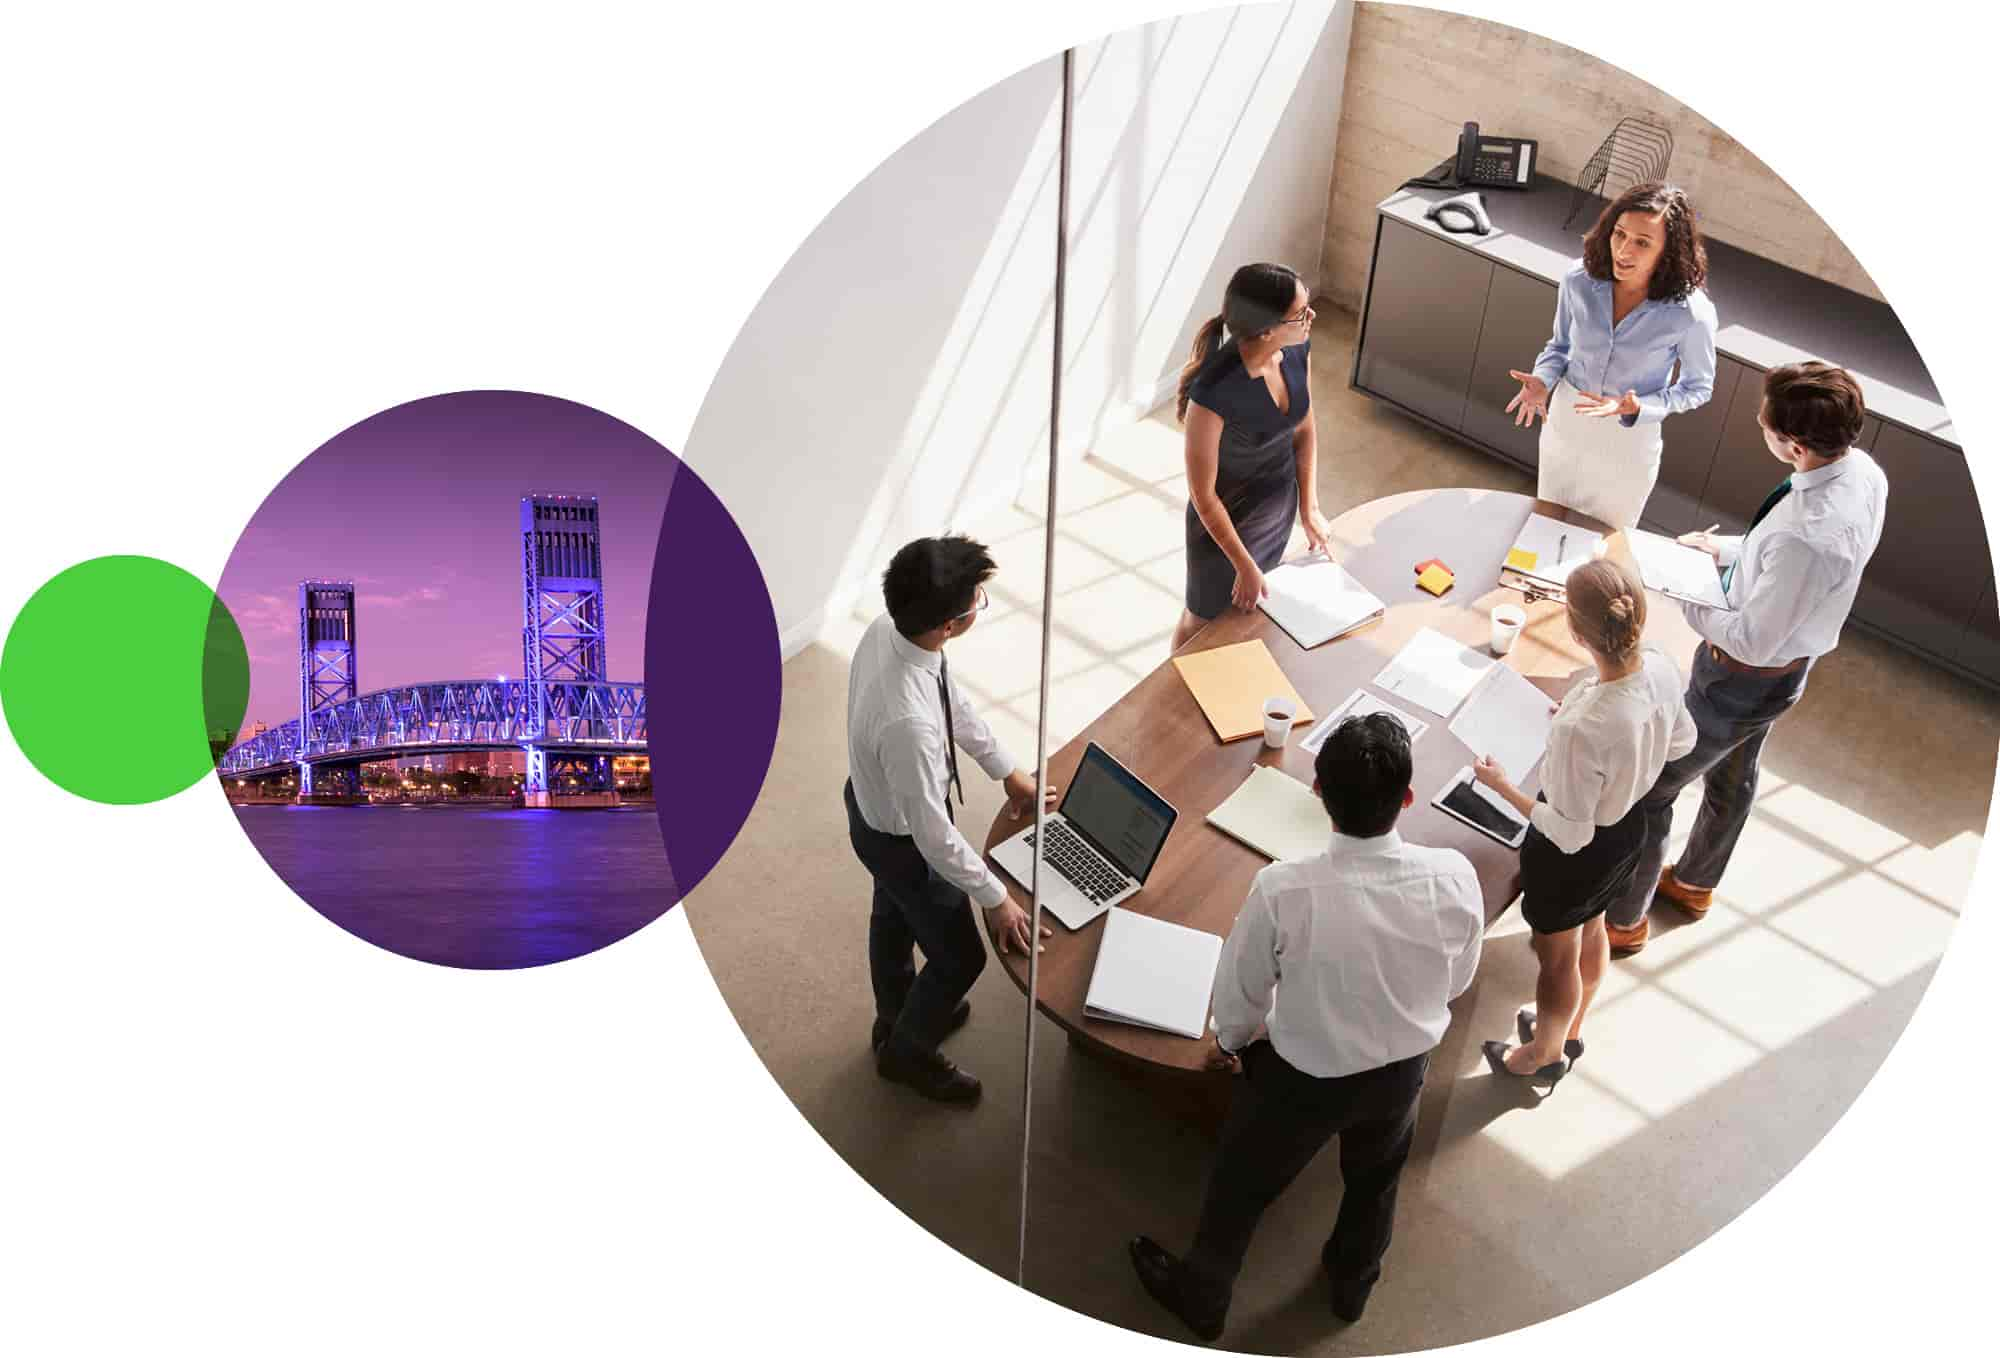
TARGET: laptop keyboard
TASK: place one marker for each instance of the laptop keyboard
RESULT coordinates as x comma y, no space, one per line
1080,864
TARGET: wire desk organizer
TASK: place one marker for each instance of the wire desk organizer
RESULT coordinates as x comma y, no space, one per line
1635,152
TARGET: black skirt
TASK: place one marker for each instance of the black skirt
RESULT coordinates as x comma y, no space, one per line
1562,890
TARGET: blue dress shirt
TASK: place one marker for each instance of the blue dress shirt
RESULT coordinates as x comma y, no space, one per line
1638,355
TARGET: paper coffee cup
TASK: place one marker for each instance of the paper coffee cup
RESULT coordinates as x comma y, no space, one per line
1278,716
1508,620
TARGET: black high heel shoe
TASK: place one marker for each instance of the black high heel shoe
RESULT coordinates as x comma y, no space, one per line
1524,1024
1546,1076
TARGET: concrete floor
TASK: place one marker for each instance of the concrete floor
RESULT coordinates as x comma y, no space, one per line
1718,1057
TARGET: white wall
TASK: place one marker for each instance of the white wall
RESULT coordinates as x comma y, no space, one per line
894,379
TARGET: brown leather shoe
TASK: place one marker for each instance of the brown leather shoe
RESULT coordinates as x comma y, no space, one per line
1625,942
1693,900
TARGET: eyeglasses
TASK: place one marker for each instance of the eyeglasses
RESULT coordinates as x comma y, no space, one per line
979,605
1305,317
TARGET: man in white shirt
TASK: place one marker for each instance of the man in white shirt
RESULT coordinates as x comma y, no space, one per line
1790,581
906,721
1365,946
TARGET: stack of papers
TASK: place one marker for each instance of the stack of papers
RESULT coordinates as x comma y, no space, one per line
1153,974
1676,571
1359,704
1231,685
1275,814
1316,600
1433,671
1548,550
1506,717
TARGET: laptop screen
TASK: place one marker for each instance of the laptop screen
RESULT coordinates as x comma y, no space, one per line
1126,820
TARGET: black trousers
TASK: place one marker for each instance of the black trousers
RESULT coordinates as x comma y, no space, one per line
914,907
1278,1120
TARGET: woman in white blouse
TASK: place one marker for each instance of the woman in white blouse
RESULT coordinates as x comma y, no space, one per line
1621,721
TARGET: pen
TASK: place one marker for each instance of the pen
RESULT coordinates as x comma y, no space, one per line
1561,543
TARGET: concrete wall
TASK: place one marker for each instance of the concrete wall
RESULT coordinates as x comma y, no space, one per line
894,379
1415,75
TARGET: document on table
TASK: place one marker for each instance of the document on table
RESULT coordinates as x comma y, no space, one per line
1275,814
1153,973
1359,704
1315,600
1508,718
1548,550
1677,571
1433,671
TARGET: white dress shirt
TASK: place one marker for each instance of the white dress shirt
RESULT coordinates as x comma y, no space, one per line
1797,571
896,754
1365,944
1607,745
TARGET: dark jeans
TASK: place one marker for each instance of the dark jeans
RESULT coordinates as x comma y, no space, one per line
1279,1118
1732,712
914,906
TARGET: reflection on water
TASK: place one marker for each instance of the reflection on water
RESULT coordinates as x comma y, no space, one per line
471,886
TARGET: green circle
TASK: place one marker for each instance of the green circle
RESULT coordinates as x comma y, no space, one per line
123,679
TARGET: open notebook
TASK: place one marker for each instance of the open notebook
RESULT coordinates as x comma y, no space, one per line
1275,814
1153,974
1315,600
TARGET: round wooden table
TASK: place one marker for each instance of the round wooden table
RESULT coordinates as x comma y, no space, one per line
1158,732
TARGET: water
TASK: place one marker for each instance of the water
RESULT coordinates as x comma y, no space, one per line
471,886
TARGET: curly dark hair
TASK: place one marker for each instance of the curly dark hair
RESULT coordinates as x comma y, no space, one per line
1683,264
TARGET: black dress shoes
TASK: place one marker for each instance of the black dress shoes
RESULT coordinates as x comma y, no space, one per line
1163,1276
932,1074
880,1033
1347,1299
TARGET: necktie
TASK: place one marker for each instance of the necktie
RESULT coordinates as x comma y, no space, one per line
1778,492
950,738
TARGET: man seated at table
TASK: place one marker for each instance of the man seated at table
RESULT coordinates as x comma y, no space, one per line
1364,945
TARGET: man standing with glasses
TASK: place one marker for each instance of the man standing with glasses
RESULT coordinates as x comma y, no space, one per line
906,722
1790,581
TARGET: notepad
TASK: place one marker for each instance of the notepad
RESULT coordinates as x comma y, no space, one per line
1231,685
1677,571
1506,717
1153,974
1316,600
1275,814
1433,671
1548,549
1359,704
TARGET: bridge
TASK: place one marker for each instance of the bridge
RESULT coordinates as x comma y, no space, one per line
563,713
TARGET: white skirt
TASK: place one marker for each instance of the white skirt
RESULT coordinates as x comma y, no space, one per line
1596,465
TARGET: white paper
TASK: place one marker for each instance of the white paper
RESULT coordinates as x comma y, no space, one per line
1153,973
1275,814
1675,570
1433,671
1359,704
1559,548
1506,717
1315,600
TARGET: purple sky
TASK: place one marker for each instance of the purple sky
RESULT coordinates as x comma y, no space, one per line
420,507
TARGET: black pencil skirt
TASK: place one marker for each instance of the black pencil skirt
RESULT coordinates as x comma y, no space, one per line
1562,890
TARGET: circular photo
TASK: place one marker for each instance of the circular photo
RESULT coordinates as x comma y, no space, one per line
446,748
1487,521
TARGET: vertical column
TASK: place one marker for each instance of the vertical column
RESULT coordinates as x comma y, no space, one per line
562,646
328,673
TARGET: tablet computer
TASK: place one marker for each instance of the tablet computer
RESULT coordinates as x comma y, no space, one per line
1463,799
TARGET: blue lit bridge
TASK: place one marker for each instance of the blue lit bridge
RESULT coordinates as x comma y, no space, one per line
563,713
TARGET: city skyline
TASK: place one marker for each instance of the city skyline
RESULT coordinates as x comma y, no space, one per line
419,506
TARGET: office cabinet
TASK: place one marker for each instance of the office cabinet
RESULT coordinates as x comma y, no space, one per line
1933,563
1979,646
1687,455
1742,471
1520,314
1417,350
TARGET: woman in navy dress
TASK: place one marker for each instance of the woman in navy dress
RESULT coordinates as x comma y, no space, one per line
1251,451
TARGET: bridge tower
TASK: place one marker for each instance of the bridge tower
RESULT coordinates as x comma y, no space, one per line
327,674
562,641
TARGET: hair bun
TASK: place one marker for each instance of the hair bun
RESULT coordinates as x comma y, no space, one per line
1621,607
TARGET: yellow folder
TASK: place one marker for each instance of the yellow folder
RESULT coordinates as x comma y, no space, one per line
1231,685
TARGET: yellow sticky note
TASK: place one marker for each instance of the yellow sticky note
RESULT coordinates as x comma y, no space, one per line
1436,579
1520,559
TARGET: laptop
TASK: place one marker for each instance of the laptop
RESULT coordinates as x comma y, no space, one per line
1103,841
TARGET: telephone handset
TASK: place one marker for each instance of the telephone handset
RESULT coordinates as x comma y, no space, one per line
1484,162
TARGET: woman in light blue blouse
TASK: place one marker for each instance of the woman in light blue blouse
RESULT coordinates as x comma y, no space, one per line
1634,343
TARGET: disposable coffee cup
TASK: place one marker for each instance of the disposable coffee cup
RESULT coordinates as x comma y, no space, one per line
1508,620
1278,716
